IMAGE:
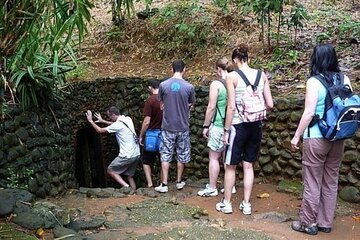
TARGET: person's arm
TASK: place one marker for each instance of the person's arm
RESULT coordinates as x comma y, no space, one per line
101,120
267,93
96,127
192,99
144,127
311,99
231,82
211,108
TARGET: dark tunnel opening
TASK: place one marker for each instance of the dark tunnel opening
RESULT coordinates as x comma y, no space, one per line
89,165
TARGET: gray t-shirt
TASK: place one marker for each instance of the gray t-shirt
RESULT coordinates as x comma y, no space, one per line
176,94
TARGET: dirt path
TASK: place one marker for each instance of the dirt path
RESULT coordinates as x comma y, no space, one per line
345,228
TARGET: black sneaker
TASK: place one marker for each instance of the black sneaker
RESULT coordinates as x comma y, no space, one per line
324,229
311,229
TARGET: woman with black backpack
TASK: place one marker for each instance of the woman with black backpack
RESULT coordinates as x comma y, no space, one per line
321,157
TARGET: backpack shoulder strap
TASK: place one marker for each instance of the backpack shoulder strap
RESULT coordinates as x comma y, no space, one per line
242,75
258,77
339,76
322,81
222,81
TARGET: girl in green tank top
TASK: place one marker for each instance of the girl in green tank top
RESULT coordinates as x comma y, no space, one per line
214,126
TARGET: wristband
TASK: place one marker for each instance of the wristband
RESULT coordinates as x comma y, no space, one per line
206,126
226,130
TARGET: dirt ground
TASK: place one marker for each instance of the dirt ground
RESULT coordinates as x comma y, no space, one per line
345,227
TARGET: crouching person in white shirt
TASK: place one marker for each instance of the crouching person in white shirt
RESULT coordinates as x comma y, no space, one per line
129,152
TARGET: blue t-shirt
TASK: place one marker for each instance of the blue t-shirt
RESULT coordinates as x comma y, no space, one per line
316,85
176,95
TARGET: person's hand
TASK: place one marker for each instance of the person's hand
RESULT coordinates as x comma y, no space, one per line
206,133
89,116
226,138
98,116
295,142
141,141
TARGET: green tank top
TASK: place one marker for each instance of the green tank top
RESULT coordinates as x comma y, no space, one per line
220,111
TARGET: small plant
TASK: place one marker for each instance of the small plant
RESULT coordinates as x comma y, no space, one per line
223,5
297,18
185,30
339,25
79,71
18,179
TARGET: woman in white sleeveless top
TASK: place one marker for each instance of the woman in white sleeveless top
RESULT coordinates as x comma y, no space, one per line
243,138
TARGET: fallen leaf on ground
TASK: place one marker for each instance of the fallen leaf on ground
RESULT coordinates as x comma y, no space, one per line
356,218
263,195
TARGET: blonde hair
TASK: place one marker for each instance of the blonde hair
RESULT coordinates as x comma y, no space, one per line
223,63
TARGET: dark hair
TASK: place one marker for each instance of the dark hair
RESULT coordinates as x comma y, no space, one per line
241,52
178,65
324,61
224,64
154,83
114,110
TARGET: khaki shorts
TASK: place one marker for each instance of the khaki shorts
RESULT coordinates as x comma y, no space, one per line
126,166
215,141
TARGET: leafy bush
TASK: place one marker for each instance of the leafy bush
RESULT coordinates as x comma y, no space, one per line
183,29
336,24
37,42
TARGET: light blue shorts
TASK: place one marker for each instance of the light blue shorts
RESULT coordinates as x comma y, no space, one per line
215,141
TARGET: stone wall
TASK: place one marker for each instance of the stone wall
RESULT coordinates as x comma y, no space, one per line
38,148
36,151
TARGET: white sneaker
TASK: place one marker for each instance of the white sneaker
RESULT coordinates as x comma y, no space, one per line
180,185
162,188
233,190
208,191
245,207
223,206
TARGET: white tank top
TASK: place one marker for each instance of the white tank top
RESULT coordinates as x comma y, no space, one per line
239,91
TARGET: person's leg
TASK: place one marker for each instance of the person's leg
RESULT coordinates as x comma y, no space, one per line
131,182
248,180
314,155
166,152
117,178
147,171
229,181
329,186
214,167
180,169
232,159
148,160
183,150
253,134
165,172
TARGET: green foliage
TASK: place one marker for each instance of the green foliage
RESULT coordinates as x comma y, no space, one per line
186,29
37,43
298,16
280,59
223,5
121,8
79,71
266,11
19,179
336,24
